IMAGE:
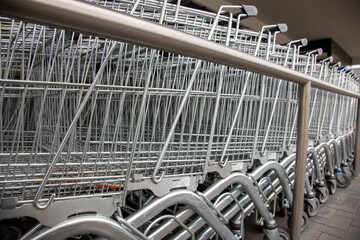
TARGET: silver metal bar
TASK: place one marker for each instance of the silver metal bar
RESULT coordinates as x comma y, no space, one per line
301,156
194,201
316,160
326,148
357,141
82,17
171,217
89,224
68,133
36,228
244,201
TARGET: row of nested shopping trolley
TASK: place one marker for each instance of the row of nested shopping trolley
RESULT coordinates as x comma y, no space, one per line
107,139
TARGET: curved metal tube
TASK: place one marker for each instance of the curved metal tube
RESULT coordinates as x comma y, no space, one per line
329,162
281,174
240,218
308,186
34,229
288,160
349,143
341,139
247,184
245,201
211,193
336,151
313,153
90,224
248,201
175,219
193,200
288,163
189,198
352,142
136,232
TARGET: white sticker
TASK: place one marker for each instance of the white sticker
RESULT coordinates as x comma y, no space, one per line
237,166
181,182
272,155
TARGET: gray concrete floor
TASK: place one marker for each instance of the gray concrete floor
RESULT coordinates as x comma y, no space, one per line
338,218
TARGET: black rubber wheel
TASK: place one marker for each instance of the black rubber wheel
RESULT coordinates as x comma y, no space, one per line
284,235
343,182
304,221
331,187
323,197
310,210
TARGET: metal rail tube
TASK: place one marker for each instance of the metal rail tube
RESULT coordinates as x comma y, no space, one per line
281,174
342,141
194,201
91,19
329,162
244,201
145,214
213,191
248,186
314,157
357,141
301,156
89,224
232,208
248,206
336,152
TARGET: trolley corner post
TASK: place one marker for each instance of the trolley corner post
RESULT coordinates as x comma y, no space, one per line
357,140
301,155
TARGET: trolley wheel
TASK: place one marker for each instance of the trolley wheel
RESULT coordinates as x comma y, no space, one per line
10,232
323,197
352,174
332,188
304,221
284,235
310,210
344,181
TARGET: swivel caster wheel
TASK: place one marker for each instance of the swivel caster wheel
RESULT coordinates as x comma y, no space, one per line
284,235
343,181
311,210
323,197
332,188
304,221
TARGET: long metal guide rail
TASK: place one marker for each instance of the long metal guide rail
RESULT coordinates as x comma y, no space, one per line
87,18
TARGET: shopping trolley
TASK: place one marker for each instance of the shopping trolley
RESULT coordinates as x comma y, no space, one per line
92,127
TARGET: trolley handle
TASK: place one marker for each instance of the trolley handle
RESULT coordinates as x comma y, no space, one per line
246,10
329,59
280,27
249,10
320,51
